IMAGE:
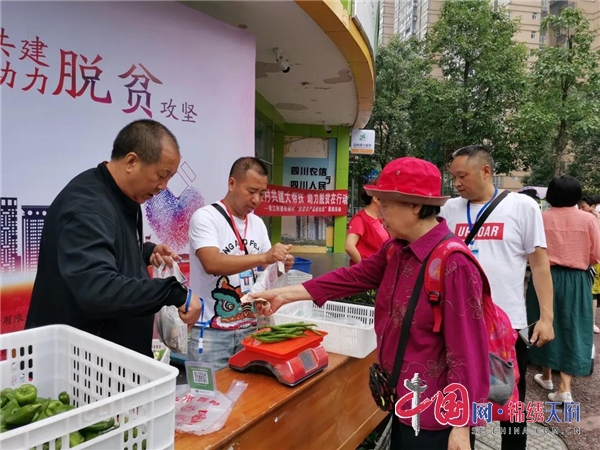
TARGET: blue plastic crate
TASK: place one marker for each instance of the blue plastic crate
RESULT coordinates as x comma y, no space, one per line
302,264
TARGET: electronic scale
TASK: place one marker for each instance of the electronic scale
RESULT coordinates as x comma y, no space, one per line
291,361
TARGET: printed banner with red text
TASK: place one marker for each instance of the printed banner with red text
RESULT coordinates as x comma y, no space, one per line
286,201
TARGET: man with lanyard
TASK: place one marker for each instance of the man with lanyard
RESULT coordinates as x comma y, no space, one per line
512,235
229,244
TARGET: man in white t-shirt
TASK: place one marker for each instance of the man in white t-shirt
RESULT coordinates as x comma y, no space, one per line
227,245
512,235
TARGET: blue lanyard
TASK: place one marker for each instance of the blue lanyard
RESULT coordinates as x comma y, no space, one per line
480,211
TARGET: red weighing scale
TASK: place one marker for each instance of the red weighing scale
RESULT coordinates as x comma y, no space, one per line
291,361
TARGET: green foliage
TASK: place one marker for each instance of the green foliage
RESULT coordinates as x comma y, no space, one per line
467,83
561,111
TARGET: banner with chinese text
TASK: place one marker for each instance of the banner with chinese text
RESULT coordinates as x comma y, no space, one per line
72,74
286,201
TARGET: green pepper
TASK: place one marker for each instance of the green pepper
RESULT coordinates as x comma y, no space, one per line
3,400
51,409
75,438
41,413
101,426
26,394
41,400
62,409
8,392
11,406
22,416
64,398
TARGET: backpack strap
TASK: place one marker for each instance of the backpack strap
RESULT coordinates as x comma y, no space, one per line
434,276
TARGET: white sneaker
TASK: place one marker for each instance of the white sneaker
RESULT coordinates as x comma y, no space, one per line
565,397
546,384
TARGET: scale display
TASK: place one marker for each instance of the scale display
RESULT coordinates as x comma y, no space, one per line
308,360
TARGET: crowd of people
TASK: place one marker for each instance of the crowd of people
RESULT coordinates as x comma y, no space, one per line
93,271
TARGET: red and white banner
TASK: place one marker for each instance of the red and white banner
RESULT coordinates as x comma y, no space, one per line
286,201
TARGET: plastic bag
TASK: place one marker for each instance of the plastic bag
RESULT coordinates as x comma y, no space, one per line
203,415
173,332
272,277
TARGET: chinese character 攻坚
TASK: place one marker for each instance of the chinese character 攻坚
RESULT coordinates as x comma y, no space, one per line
169,108
516,411
553,412
144,80
295,170
571,412
90,74
188,109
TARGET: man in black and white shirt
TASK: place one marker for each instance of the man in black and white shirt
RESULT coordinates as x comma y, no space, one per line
227,245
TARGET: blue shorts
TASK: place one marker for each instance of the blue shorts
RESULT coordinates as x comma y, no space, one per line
218,345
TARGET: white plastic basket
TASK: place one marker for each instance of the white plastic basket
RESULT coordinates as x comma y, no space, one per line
158,345
350,327
297,277
103,379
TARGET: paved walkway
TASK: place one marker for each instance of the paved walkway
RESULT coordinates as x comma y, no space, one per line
539,437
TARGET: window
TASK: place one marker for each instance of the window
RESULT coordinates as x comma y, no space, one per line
534,16
533,35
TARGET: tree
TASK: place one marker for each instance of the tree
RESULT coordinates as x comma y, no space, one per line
561,111
401,69
482,79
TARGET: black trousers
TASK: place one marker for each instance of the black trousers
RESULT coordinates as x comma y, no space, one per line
403,438
515,437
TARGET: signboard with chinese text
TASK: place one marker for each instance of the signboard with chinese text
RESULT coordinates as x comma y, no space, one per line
285,201
362,142
72,74
309,163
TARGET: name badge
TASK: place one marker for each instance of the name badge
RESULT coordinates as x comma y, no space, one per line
246,280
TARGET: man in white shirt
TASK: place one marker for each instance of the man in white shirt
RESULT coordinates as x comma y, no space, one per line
227,245
512,235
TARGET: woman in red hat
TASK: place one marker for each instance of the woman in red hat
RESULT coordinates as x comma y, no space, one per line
409,192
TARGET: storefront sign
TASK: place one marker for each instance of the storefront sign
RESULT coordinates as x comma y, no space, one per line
362,142
285,201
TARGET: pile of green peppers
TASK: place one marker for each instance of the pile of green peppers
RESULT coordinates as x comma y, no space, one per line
22,406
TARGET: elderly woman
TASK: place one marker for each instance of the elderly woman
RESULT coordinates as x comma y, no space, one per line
409,193
573,238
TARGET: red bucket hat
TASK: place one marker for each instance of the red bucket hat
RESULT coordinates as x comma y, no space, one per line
409,180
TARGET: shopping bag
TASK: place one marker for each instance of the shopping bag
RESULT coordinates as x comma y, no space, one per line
172,331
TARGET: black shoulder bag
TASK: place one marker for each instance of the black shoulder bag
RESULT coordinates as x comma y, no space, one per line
382,384
484,216
228,219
